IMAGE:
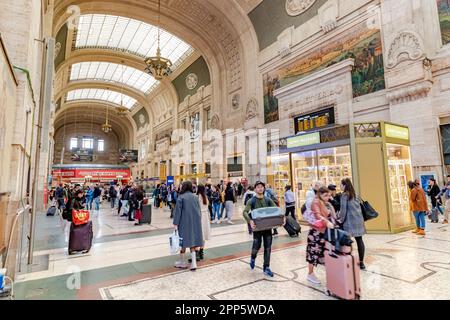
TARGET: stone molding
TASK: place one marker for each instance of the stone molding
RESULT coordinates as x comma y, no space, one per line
285,42
328,15
406,45
409,93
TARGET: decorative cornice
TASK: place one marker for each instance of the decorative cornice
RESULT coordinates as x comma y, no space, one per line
409,93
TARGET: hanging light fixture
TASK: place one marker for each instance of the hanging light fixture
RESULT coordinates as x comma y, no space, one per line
158,66
106,127
122,110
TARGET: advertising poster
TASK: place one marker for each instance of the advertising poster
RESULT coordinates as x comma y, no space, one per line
127,156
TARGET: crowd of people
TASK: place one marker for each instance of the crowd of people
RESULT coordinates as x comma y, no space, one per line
194,208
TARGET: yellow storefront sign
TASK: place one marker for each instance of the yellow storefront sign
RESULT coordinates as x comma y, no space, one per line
396,132
304,140
191,176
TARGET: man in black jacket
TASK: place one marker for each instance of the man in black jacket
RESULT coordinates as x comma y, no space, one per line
97,195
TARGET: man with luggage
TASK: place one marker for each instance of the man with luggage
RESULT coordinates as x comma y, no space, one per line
269,193
112,195
289,201
260,201
59,194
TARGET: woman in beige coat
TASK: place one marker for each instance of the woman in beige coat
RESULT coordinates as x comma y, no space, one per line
206,223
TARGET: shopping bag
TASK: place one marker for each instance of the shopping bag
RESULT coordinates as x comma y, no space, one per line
138,214
175,242
80,217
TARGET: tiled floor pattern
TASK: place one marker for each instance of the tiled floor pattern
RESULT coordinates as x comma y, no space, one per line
133,262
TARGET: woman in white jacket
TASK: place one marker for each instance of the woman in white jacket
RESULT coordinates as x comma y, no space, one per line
206,223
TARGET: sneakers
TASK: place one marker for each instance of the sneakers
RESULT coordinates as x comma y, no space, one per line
268,272
229,222
312,278
180,264
252,264
218,221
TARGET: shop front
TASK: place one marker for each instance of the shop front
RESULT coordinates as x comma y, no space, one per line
90,174
375,156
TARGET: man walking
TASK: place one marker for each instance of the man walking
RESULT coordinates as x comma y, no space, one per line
97,195
260,201
446,193
289,200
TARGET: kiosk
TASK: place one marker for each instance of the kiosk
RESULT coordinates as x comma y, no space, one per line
375,156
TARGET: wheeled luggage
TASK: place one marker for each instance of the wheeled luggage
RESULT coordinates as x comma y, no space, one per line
292,227
146,214
51,211
342,272
80,238
267,218
434,215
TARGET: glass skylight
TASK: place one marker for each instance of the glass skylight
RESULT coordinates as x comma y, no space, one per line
102,95
105,71
129,35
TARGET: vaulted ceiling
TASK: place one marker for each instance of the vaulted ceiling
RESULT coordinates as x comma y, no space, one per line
108,40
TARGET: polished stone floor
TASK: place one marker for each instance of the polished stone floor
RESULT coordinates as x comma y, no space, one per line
133,262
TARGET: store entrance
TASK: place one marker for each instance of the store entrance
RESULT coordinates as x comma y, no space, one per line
329,165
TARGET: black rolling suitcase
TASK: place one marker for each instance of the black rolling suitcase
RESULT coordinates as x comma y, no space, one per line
51,211
146,214
80,239
292,227
434,215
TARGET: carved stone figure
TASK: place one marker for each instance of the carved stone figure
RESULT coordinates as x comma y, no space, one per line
406,45
191,81
252,109
215,122
235,101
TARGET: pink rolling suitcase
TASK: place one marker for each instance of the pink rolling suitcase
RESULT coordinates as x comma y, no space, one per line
343,274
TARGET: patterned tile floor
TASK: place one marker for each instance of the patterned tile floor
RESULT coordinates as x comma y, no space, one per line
132,262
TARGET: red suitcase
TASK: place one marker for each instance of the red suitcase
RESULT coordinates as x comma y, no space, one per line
343,275
80,238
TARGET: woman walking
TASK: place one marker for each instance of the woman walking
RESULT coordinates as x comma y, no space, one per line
188,221
321,219
206,228
230,199
351,218
433,192
419,206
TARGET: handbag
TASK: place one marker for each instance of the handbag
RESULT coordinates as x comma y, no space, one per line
367,210
80,217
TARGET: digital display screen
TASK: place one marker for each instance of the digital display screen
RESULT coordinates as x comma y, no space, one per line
316,120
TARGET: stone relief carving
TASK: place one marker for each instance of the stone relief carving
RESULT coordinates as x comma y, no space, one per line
297,7
215,121
409,93
328,15
191,81
218,29
285,42
406,45
235,101
252,109
57,49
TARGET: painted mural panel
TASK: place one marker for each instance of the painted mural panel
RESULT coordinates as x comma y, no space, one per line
444,19
361,43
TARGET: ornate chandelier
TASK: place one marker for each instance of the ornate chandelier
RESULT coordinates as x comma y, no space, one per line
106,127
158,66
121,110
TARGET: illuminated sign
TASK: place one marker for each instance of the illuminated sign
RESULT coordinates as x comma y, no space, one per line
316,120
304,140
396,132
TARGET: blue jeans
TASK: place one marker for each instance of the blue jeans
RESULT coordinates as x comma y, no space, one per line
113,202
420,219
89,203
216,211
97,203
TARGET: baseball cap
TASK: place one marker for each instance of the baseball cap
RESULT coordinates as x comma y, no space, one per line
260,183
332,187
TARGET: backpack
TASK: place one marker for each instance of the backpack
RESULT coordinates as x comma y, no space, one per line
248,197
272,197
253,202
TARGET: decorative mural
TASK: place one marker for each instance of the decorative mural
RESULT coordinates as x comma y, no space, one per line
444,19
361,43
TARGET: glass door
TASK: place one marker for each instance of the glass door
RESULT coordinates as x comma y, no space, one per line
400,172
279,174
304,171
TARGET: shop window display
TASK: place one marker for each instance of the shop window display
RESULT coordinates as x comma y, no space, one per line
400,172
304,170
334,165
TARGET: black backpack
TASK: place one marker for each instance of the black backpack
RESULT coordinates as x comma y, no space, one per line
248,197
